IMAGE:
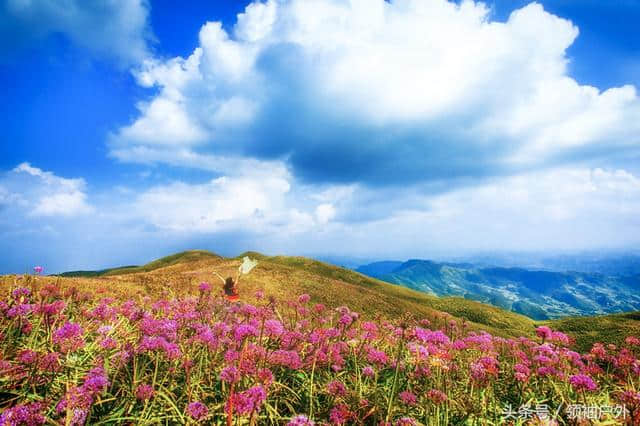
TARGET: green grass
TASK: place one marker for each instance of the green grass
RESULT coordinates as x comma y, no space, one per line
605,328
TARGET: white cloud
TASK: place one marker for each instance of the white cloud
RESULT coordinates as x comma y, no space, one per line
211,206
325,212
41,193
567,208
436,88
114,28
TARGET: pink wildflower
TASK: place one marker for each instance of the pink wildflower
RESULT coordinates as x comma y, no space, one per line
197,410
300,420
437,396
408,398
582,382
144,392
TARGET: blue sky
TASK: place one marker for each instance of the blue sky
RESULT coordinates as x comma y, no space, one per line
360,128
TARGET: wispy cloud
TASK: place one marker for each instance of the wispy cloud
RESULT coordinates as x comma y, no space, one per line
117,29
40,193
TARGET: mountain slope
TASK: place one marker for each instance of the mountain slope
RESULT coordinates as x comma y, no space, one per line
604,328
537,294
285,277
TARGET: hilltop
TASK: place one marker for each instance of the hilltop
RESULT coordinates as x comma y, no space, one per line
284,276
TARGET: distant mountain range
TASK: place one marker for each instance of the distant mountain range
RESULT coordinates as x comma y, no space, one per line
539,294
626,263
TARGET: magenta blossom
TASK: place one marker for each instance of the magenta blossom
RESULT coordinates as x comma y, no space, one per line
69,337
406,421
23,415
437,396
20,292
544,332
336,388
144,392
340,414
301,420
408,398
230,374
197,410
249,401
582,382
38,269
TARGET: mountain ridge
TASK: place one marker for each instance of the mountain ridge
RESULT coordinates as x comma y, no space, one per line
539,294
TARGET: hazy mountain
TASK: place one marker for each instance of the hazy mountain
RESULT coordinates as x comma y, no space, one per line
604,262
538,294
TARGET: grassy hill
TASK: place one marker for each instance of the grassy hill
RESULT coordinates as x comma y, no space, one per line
185,256
284,277
604,328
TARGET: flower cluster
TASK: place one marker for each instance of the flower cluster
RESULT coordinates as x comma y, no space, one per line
70,357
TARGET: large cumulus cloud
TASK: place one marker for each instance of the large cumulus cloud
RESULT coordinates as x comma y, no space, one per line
380,92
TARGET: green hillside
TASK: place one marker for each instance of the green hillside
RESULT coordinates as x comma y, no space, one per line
606,328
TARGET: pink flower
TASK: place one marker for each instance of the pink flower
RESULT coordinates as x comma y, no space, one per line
559,337
273,328
437,396
544,332
368,371
197,410
632,341
38,269
406,421
23,415
582,382
340,414
230,374
265,376
144,392
69,337
96,381
428,336
28,357
51,309
377,357
408,398
301,420
204,287
244,330
336,388
165,328
304,298
50,362
20,292
289,359
20,310
152,344
249,401
484,368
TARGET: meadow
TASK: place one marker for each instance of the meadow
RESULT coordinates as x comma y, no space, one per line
129,349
